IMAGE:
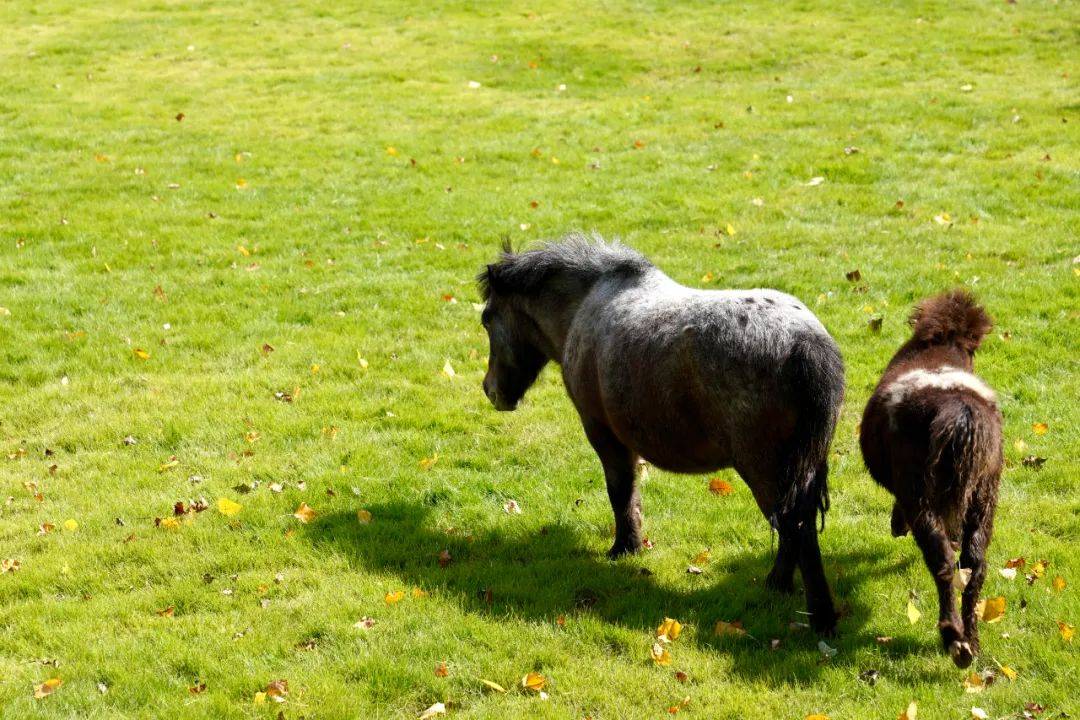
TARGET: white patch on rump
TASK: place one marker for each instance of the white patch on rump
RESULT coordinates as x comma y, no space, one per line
942,378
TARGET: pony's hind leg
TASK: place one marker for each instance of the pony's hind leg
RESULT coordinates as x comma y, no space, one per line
938,554
898,522
798,529
978,527
620,473
782,576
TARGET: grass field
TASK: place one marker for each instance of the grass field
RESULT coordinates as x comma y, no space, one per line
188,185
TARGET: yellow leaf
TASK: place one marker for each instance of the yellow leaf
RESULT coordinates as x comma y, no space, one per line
1039,568
913,613
973,683
391,151
241,183
170,523
46,688
71,525
817,716
428,463
448,370
533,681
1066,631
943,219
660,654
228,507
1008,672
669,629
493,686
1059,583
993,609
418,593
392,597
9,565
260,698
707,277
729,628
363,516
243,251
1039,428
304,513
720,487
910,713
702,558
169,464
730,230
141,354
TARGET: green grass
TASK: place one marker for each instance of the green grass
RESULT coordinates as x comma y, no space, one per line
967,108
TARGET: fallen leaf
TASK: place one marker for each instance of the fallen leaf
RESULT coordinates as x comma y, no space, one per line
169,523
943,219
730,230
511,507
47,688
669,629
910,713
681,676
167,612
913,613
441,670
71,525
445,558
492,685
720,487
694,570
1007,672
419,593
45,528
853,276
1009,573
660,654
533,681
814,181
228,508
304,513
973,683
883,639
681,705
448,370
363,516
392,597
1039,428
436,709
1067,631
817,716
429,462
277,690
1016,562
1037,571
961,578
702,558
364,623
141,354
197,689
723,627
979,714
1059,583
993,609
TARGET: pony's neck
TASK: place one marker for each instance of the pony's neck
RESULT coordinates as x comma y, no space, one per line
552,314
916,352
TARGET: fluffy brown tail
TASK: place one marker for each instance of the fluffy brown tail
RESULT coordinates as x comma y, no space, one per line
964,447
951,318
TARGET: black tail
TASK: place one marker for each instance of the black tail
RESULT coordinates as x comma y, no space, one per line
963,448
815,376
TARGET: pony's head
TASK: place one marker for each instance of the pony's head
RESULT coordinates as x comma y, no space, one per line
953,318
514,357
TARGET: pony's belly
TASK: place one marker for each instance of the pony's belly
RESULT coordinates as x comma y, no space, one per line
678,448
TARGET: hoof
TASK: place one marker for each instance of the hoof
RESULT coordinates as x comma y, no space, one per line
825,626
619,549
961,653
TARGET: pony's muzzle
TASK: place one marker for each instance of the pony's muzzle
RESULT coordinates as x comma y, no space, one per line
496,398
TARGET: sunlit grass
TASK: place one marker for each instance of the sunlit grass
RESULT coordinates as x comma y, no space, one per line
337,177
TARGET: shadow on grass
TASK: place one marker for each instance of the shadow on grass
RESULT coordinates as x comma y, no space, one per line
543,575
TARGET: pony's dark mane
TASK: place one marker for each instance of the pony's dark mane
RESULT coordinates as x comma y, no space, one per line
951,318
575,257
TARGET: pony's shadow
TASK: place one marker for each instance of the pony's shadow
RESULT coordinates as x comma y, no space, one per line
552,573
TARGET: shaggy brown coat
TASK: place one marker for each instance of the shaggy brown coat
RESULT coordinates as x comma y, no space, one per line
931,435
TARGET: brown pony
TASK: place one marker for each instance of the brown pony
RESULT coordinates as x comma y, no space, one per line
931,435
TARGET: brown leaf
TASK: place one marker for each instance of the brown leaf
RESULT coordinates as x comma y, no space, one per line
717,486
47,688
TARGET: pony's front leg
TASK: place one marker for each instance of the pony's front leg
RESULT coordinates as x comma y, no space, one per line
620,475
